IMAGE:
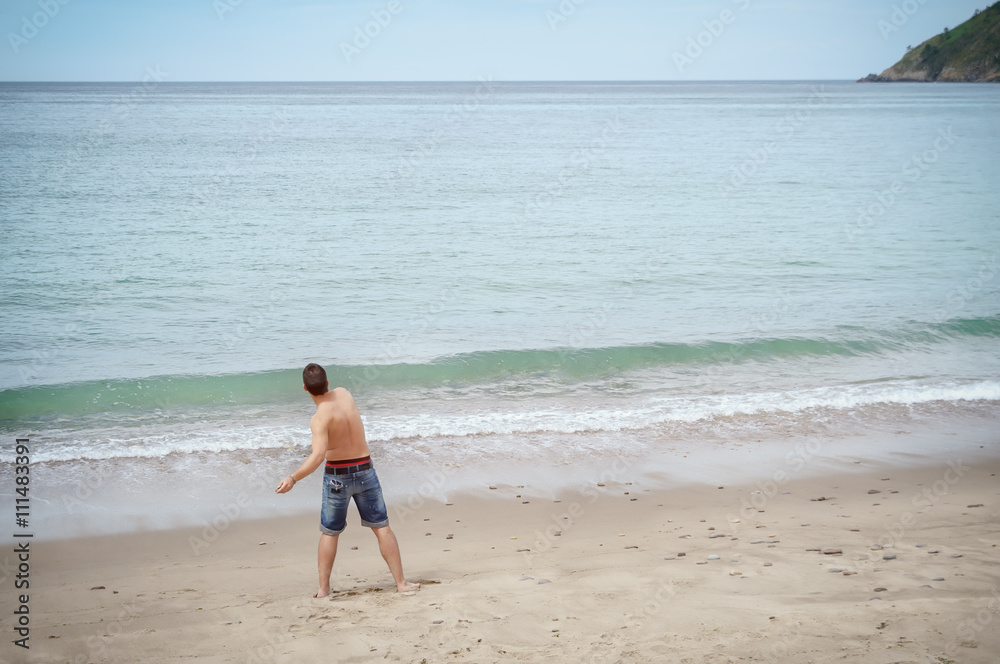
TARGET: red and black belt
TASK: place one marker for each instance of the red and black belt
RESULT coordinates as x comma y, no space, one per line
348,466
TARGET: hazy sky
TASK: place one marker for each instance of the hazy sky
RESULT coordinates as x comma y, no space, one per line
324,40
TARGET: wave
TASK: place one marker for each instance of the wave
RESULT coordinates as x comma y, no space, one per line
521,427
680,409
570,365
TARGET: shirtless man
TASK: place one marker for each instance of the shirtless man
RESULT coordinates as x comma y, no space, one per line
338,437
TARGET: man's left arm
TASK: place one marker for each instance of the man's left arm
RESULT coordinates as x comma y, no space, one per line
320,440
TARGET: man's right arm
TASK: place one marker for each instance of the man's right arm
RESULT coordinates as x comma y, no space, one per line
320,442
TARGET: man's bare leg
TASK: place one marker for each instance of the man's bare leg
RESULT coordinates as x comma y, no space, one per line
327,552
389,548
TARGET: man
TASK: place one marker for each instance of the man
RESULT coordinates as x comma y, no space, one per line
338,436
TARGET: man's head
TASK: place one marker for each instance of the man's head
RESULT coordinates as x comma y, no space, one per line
314,379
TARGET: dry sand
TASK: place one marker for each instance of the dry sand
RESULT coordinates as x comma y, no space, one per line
627,579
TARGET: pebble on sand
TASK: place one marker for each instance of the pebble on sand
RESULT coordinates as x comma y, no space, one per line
888,556
832,552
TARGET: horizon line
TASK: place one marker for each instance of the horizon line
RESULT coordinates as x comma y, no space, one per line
479,80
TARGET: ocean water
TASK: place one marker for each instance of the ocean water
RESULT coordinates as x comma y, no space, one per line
510,277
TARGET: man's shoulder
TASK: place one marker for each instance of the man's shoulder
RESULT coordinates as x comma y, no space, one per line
341,394
335,408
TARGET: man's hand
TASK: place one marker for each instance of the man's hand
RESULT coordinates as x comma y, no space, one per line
285,486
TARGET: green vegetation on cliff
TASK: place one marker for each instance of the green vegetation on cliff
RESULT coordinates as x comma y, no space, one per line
970,52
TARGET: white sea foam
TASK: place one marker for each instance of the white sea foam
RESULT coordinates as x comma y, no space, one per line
475,428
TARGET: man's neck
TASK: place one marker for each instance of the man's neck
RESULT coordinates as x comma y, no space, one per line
323,398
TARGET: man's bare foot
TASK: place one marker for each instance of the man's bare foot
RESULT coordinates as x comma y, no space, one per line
406,585
320,594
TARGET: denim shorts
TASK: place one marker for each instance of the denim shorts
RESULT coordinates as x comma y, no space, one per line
338,490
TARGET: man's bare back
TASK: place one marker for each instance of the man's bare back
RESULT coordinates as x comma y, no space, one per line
337,418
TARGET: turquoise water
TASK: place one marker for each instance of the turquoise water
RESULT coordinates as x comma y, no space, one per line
613,264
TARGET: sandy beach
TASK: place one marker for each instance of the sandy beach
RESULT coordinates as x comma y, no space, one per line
873,563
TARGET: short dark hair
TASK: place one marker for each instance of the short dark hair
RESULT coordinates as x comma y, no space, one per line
314,378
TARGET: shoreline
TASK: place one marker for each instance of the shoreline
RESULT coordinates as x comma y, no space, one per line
105,497
601,579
